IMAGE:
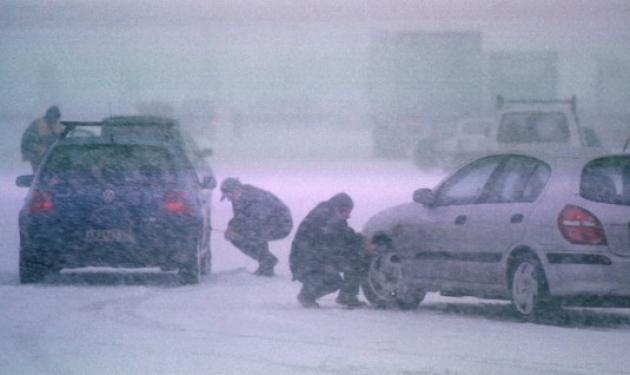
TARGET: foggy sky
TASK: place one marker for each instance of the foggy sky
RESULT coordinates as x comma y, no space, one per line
32,13
93,57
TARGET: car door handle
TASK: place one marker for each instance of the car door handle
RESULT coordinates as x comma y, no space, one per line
460,220
516,218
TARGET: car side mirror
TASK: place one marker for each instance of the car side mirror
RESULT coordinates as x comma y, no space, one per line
24,180
423,196
209,182
204,153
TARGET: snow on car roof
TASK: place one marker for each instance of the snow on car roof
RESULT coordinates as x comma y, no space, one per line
139,121
99,140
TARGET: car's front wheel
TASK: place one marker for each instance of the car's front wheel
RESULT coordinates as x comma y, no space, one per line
385,287
530,293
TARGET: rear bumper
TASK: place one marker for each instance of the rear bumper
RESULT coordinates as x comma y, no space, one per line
114,256
165,244
596,276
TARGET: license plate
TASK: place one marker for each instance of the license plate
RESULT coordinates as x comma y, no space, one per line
108,235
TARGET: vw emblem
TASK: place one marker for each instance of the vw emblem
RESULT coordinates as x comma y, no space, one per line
108,195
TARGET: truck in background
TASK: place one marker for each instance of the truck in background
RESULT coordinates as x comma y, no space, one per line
526,75
551,122
535,123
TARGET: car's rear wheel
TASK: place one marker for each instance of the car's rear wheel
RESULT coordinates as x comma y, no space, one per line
530,293
206,255
34,270
385,287
206,263
190,272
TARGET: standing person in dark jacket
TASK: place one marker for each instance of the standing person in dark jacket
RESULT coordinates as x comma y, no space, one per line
259,217
40,135
324,248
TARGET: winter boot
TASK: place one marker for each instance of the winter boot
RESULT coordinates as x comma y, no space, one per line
306,302
265,268
349,300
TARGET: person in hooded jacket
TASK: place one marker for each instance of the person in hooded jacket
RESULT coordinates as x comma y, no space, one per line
40,135
259,217
327,255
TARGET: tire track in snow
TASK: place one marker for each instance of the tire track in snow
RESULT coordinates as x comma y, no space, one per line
26,336
127,310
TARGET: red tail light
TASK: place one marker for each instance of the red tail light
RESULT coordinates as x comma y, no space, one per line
41,202
175,202
579,226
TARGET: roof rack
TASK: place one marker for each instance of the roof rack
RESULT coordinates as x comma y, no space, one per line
115,122
73,124
139,121
501,101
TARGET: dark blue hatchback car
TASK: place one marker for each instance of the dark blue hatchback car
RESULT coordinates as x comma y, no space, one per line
118,199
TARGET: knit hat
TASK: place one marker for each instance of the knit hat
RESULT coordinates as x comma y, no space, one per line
341,200
229,185
52,114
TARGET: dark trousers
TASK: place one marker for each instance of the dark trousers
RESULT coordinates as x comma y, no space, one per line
255,249
318,284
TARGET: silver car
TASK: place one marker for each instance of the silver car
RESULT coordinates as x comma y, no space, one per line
539,229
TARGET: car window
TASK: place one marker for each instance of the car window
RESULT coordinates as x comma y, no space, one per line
109,164
537,182
534,127
194,153
468,184
607,180
521,179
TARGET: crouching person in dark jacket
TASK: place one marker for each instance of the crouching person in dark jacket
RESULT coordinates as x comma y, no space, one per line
259,217
328,255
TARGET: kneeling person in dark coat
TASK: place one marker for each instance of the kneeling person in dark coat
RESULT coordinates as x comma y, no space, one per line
325,247
259,217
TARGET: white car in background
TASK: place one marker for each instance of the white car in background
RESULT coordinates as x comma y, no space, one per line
465,139
538,229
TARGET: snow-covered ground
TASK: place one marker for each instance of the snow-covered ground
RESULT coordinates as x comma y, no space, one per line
142,322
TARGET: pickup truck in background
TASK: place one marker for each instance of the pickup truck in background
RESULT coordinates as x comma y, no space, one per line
516,124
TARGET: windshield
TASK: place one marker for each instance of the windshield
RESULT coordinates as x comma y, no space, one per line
534,127
109,164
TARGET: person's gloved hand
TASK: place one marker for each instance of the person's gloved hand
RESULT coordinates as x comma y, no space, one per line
230,234
371,249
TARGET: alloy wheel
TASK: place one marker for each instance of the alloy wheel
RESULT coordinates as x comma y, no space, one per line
385,276
525,287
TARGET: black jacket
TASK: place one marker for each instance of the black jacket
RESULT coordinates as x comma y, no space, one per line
35,144
323,243
260,214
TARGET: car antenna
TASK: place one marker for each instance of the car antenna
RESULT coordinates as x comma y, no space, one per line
626,145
